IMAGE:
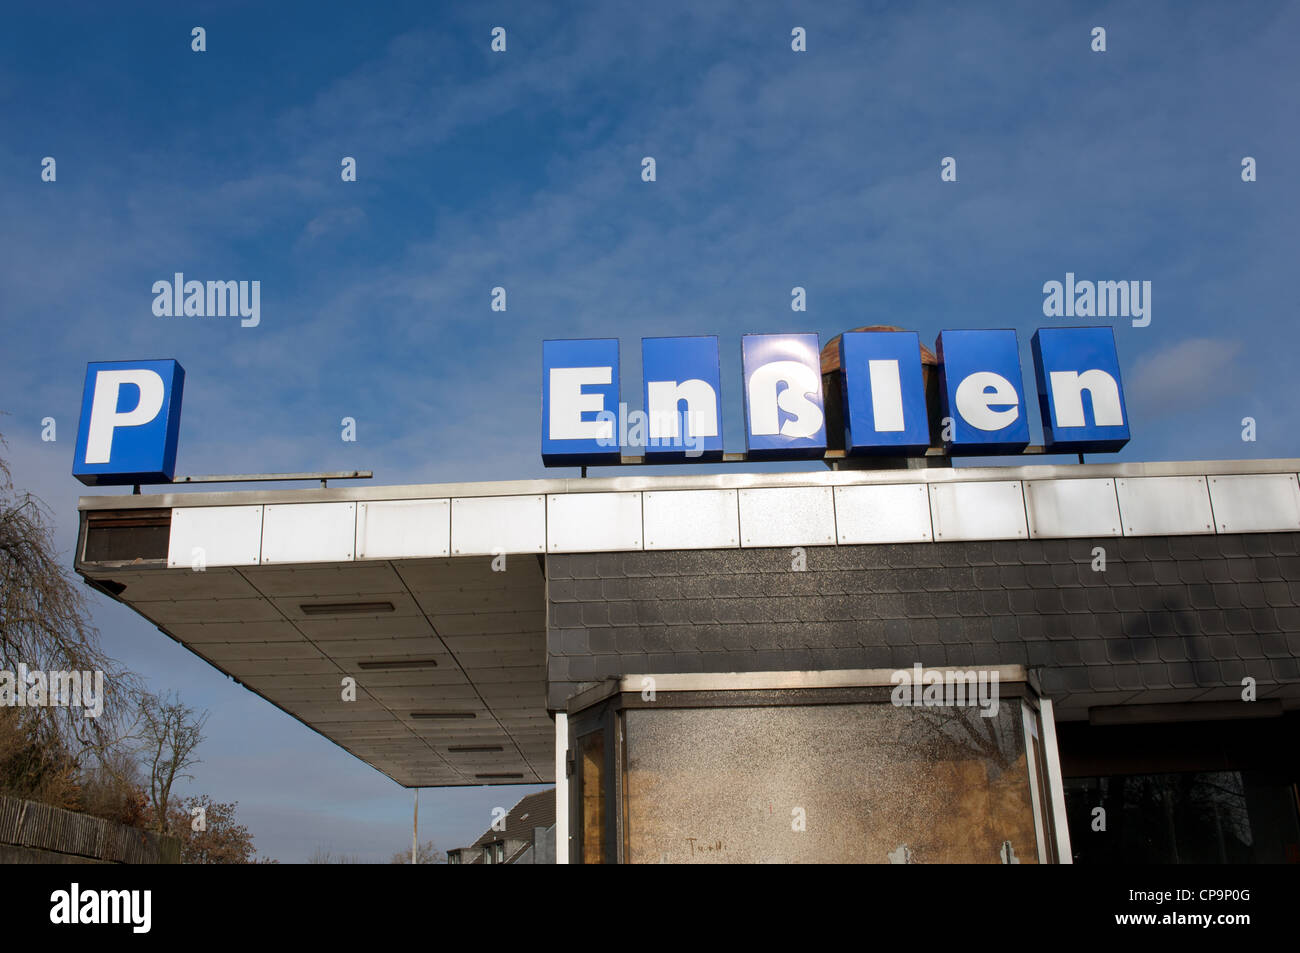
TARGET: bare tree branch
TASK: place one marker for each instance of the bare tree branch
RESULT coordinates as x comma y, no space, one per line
45,625
170,732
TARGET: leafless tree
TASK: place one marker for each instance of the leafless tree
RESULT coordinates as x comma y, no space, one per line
427,854
45,625
170,733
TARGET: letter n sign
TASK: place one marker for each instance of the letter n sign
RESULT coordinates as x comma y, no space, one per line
580,402
1072,362
681,391
130,419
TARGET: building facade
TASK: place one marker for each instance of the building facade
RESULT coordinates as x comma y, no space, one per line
765,667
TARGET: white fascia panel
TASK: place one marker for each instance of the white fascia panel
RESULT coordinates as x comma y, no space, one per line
308,533
691,519
883,513
1065,509
491,525
1256,503
985,510
210,536
593,522
787,516
1164,506
403,529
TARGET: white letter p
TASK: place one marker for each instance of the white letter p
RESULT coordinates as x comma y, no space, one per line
104,418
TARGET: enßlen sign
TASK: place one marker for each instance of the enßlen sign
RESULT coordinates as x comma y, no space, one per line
1080,395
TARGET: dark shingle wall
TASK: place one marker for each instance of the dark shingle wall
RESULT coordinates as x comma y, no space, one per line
1170,619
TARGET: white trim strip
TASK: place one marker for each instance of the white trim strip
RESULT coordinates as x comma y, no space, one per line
776,516
1047,716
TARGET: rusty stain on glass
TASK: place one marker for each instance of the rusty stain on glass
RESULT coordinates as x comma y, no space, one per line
837,783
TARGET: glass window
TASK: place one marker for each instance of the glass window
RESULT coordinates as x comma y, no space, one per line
849,783
592,782
1199,817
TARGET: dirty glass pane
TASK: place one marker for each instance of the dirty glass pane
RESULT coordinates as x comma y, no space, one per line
592,750
866,783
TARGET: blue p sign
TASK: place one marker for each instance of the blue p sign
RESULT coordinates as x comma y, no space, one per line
130,419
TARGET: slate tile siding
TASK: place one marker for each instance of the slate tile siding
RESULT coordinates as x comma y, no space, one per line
1170,619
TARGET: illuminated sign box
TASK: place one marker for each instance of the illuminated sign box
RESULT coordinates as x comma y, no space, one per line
1080,394
785,415
682,388
983,404
981,392
130,421
579,386
884,393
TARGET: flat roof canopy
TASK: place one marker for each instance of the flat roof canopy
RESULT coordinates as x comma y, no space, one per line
433,598
450,681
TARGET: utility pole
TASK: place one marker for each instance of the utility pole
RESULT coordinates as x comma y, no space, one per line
415,830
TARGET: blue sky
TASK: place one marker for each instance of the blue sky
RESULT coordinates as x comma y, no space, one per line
522,169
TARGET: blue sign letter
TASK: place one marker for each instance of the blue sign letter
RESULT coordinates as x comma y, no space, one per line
130,420
784,414
1068,363
580,402
884,393
680,371
979,390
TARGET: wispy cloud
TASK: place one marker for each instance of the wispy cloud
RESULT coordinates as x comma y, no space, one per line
1185,376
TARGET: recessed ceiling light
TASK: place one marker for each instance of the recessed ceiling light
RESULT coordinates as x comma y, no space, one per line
396,664
345,608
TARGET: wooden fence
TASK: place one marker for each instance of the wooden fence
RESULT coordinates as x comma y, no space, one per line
40,833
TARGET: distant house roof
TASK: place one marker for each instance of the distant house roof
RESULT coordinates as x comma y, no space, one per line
535,810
